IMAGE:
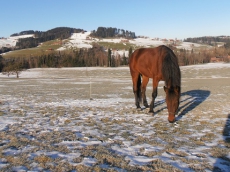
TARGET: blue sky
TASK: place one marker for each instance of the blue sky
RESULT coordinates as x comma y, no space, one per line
154,18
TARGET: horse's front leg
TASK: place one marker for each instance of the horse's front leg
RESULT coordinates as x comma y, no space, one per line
154,95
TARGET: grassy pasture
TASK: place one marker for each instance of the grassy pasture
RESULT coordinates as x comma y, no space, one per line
118,46
53,125
44,48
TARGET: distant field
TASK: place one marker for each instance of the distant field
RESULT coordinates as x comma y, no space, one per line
44,48
51,46
118,46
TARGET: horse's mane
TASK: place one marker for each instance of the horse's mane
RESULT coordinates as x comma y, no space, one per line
170,68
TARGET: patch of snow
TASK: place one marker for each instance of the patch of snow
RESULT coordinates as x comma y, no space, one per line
79,40
11,41
5,122
146,42
83,40
207,66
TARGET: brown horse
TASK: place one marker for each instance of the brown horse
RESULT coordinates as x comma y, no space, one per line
160,64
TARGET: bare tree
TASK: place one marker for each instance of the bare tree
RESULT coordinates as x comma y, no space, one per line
12,69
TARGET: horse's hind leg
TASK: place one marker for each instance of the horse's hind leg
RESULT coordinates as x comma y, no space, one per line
145,81
154,95
136,78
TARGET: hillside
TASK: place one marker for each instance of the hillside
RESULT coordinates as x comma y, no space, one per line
72,39
12,40
31,39
37,37
68,47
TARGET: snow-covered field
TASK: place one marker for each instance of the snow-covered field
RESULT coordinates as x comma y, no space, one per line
49,123
83,40
11,41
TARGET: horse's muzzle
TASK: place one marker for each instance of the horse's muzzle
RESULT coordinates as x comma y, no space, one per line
172,121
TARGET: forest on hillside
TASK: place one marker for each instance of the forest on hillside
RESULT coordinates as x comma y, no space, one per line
64,33
110,32
39,36
26,32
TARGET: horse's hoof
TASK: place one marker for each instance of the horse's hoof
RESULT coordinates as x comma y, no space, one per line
139,109
146,106
151,113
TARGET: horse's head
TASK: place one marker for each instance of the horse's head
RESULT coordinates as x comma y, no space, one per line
172,101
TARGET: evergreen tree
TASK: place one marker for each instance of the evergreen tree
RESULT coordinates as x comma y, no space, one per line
112,61
130,51
1,63
109,57
124,60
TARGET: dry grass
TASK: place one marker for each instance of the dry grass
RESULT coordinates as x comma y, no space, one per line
57,128
40,50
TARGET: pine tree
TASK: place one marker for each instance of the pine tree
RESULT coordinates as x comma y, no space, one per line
109,57
130,51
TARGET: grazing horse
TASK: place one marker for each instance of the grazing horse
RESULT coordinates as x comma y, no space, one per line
160,64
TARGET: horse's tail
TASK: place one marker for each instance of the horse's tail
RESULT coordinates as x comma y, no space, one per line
139,89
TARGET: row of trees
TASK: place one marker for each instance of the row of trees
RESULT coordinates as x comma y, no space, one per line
26,32
186,57
5,49
117,60
191,57
210,40
109,32
97,56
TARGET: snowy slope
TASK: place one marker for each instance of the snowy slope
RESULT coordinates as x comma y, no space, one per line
78,40
11,41
83,40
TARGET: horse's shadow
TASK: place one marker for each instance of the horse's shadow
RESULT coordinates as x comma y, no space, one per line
223,161
189,100
193,99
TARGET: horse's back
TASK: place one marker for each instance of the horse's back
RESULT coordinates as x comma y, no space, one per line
147,61
149,55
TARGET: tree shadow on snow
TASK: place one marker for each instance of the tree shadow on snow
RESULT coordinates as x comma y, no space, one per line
193,99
